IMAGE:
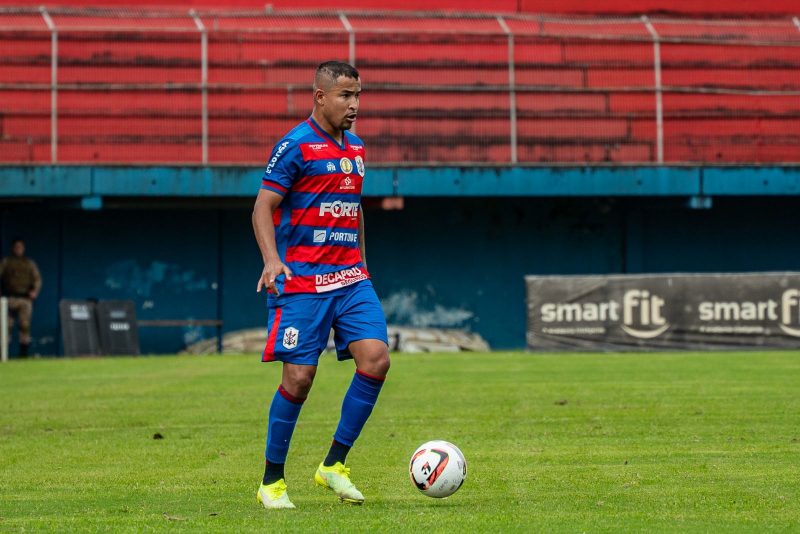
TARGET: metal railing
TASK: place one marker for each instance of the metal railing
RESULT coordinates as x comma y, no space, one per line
4,337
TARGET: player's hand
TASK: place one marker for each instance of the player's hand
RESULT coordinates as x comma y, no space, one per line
271,271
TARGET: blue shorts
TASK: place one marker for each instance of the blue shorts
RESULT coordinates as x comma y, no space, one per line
299,325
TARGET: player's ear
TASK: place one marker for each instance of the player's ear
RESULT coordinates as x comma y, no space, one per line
319,97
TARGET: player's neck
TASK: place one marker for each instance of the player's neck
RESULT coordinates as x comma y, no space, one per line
328,128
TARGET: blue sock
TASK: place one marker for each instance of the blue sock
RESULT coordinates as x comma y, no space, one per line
357,406
283,413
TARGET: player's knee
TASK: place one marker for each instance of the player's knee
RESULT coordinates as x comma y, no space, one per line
298,382
384,363
299,387
371,356
379,363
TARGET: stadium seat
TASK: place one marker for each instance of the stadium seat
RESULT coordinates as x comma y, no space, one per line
436,89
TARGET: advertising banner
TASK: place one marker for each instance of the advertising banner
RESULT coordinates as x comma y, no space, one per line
664,312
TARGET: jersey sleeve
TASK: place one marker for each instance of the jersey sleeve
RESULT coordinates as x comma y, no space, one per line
284,167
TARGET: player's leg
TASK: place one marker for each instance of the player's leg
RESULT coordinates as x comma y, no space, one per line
372,365
284,410
295,338
13,316
296,381
25,312
360,334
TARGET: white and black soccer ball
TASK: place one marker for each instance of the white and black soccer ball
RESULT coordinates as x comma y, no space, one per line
437,468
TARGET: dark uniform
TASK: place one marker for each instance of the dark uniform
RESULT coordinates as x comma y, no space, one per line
20,281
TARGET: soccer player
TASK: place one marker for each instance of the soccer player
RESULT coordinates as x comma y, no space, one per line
309,226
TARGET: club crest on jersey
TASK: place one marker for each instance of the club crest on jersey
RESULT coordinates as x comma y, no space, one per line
346,166
290,336
360,165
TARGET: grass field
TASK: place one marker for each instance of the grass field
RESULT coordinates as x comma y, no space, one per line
701,442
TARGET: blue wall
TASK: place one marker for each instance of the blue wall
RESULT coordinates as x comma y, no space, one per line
225,182
441,261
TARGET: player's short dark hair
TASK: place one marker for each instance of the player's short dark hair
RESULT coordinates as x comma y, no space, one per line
333,70
17,239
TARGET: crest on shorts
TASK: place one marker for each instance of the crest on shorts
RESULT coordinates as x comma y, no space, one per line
360,165
290,336
346,165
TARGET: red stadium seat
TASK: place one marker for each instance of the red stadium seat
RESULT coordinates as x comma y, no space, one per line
436,88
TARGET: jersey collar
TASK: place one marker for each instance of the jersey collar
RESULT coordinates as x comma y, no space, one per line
317,128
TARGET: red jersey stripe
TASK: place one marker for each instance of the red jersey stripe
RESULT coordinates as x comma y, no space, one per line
276,217
300,284
311,217
325,254
317,151
273,185
329,183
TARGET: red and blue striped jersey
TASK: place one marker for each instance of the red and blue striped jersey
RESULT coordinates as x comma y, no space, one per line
316,223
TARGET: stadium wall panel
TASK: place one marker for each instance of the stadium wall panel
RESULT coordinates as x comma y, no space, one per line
456,255
241,182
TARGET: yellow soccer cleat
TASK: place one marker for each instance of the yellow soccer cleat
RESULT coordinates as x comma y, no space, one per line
273,496
337,479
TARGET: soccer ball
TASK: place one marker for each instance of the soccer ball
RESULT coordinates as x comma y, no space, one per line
437,468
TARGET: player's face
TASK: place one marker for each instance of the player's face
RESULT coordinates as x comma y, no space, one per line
18,249
340,106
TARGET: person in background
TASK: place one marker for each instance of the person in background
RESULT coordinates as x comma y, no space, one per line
20,282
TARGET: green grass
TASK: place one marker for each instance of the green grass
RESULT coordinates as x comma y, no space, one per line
703,442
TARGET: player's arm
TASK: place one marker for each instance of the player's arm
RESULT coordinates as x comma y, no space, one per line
266,203
37,282
361,239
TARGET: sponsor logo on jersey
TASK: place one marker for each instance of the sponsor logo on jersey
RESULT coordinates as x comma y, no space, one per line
320,236
338,209
356,148
347,184
346,165
277,155
341,237
345,277
318,146
330,167
290,337
360,165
